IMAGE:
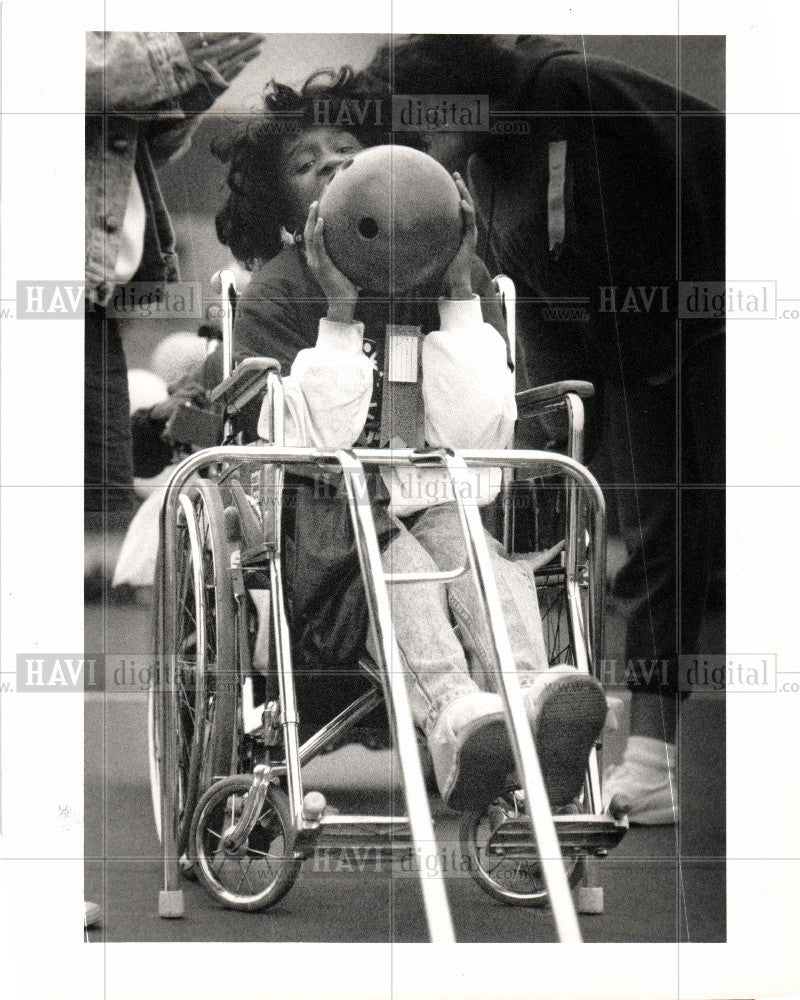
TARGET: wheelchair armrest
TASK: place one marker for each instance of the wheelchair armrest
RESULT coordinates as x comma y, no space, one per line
244,383
530,401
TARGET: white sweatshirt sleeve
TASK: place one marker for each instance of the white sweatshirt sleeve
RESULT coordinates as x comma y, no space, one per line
328,391
467,386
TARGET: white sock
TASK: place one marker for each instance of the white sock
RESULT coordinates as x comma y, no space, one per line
650,753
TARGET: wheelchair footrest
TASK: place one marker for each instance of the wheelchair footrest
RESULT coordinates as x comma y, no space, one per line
367,838
589,833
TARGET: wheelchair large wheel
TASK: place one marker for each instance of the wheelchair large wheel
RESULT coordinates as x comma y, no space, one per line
558,633
205,658
542,538
513,877
264,868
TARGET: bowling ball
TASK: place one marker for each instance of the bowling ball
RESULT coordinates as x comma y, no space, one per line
392,220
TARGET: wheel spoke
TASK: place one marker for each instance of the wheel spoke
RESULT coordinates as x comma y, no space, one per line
241,881
495,866
204,607
264,854
247,875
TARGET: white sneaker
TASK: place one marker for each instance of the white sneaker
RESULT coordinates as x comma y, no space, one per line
644,786
470,750
566,710
616,711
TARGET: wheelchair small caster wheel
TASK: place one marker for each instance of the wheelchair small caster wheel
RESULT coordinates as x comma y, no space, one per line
589,899
260,871
509,874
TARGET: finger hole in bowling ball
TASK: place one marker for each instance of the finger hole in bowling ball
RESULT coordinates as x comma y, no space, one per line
368,227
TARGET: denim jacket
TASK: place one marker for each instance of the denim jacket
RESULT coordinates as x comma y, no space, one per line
137,86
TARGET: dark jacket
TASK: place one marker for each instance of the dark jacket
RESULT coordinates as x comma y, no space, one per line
620,184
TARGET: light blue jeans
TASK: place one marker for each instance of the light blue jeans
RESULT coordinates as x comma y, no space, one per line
441,629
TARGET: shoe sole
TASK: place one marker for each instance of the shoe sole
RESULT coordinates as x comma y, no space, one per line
482,763
91,916
650,815
571,717
655,817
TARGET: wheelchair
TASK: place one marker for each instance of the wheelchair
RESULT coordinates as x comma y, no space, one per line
227,746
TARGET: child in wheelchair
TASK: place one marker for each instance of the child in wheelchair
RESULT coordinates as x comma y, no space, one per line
339,352
336,352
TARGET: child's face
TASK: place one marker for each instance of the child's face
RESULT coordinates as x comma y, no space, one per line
310,161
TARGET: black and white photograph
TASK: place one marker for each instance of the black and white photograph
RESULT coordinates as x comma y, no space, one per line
421,437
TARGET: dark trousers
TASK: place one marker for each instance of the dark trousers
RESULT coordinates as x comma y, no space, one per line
109,498
665,445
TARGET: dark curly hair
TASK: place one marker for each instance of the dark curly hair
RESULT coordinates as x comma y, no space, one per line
258,204
456,64
444,64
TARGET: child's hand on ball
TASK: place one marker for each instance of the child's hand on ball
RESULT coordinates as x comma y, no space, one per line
457,281
340,292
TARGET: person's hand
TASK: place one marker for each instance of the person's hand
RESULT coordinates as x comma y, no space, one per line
339,290
186,392
457,281
221,54
160,413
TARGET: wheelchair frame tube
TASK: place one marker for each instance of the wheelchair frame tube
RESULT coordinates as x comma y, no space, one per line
226,280
574,544
287,692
